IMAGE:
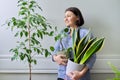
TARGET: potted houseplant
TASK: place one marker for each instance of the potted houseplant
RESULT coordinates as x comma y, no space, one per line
83,49
30,27
59,37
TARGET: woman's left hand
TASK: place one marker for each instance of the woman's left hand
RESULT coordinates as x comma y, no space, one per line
75,75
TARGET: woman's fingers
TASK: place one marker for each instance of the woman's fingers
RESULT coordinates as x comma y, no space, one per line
64,62
63,56
73,75
61,59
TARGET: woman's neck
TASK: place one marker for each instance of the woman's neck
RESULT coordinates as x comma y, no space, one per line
71,29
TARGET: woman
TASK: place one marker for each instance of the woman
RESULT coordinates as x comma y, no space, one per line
73,19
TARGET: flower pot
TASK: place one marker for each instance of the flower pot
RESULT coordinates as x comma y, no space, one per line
72,66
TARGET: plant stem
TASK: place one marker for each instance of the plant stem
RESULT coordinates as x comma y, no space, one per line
29,32
30,72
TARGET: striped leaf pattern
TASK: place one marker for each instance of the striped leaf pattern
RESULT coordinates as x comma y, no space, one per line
85,47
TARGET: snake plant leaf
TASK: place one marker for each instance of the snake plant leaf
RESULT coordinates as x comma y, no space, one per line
78,36
82,43
74,37
86,46
95,47
79,44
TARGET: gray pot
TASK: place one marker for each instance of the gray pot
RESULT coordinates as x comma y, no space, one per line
72,66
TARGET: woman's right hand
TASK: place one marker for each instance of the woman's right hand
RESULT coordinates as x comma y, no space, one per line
60,59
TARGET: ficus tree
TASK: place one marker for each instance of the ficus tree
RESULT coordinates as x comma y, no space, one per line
30,27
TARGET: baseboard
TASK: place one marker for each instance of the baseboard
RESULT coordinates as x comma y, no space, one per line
45,65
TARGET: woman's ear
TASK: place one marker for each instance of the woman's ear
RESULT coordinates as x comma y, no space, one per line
77,18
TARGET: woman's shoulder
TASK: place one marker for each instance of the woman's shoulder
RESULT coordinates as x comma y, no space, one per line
84,30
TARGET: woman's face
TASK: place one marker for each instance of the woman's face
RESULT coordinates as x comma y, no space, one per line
70,19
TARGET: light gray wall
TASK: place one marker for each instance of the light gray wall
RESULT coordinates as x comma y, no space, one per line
102,16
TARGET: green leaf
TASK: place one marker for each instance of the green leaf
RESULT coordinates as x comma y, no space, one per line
116,72
34,34
14,57
23,8
14,23
16,34
40,34
39,7
26,33
84,48
22,12
24,3
21,34
66,30
81,48
74,37
115,69
95,47
8,23
34,40
22,56
38,51
57,37
51,33
52,48
28,51
47,53
13,19
31,5
81,43
56,29
20,1
35,61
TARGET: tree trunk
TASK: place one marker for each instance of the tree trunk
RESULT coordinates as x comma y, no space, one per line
30,74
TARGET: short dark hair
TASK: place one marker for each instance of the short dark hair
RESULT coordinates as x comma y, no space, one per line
78,13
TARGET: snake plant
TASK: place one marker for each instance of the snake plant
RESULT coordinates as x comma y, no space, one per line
116,72
85,47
